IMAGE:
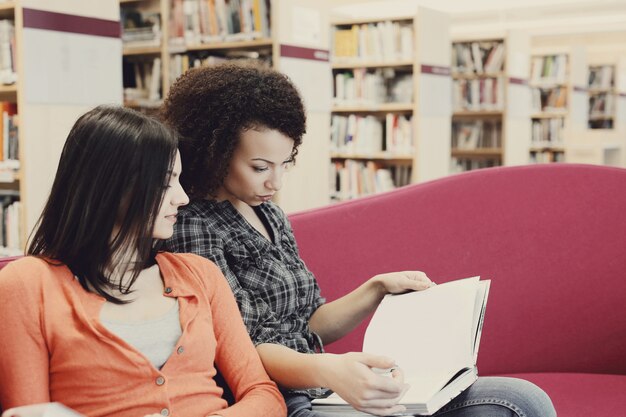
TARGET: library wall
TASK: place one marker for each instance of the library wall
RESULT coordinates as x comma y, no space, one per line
70,61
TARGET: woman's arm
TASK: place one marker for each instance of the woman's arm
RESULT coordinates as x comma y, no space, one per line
24,367
349,375
334,320
238,361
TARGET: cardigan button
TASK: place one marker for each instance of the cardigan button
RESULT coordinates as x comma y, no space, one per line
180,350
168,290
165,412
160,380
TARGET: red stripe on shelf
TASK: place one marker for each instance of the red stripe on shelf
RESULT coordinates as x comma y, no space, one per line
291,51
622,94
436,70
61,22
518,81
580,89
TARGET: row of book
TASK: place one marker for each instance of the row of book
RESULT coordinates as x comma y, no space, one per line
477,134
8,72
546,156
9,129
458,165
601,105
383,41
180,63
478,94
208,21
478,57
140,28
548,69
549,99
142,81
10,209
548,132
356,134
352,179
363,87
601,76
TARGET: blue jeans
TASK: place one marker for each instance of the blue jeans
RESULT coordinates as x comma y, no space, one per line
487,397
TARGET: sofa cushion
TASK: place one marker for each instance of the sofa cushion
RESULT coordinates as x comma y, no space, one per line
582,395
550,237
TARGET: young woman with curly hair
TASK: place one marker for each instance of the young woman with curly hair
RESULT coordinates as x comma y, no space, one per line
240,126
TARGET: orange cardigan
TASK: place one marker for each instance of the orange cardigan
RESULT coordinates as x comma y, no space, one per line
53,347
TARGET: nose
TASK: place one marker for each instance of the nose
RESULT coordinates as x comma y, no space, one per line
275,181
182,199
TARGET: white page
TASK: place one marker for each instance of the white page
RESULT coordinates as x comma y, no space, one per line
444,312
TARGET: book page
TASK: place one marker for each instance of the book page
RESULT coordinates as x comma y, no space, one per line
427,332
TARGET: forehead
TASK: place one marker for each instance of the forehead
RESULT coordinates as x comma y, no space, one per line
268,144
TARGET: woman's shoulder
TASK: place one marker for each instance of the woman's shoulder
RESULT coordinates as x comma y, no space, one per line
30,271
191,262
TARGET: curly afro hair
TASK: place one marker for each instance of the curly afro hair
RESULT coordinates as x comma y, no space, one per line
210,107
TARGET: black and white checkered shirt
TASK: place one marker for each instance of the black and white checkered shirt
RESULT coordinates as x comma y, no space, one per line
275,291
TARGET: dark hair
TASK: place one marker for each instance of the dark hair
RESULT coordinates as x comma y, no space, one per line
111,179
211,107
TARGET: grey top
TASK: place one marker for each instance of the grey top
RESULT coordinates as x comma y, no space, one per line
154,338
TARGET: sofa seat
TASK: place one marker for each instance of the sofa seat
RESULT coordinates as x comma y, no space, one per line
595,394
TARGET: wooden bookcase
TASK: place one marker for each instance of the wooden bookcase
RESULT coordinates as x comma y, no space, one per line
490,125
560,102
604,141
289,38
53,86
390,116
602,96
12,224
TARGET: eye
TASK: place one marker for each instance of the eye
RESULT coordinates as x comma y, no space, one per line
259,169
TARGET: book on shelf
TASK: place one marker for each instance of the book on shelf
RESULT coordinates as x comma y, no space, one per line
437,348
211,21
140,29
484,57
384,41
601,77
8,73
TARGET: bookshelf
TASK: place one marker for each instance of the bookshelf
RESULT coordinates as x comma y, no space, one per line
604,141
390,116
559,102
490,125
602,96
285,34
11,184
144,52
45,84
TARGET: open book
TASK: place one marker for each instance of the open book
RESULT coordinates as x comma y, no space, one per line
433,335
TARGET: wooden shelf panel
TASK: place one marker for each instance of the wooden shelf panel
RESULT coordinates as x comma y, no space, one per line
218,46
7,10
602,91
601,117
474,76
141,50
130,1
478,113
375,108
555,149
371,64
479,152
548,115
8,92
349,22
377,156
548,84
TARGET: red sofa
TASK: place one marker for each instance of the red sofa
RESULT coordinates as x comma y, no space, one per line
552,238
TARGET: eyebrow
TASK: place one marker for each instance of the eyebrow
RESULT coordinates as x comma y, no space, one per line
270,162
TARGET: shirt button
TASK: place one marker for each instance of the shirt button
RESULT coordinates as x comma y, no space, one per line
180,350
165,412
302,293
160,380
168,290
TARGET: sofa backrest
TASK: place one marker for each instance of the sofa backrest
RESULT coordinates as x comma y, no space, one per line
552,238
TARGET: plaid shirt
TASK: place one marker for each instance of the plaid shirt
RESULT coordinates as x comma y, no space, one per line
275,291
